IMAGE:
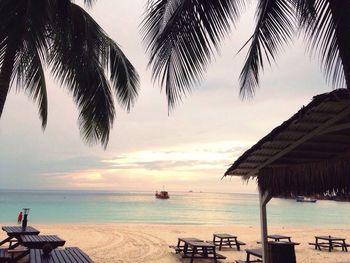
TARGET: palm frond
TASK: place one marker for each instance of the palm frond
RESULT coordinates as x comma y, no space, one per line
95,102
30,76
328,36
124,78
276,25
89,3
305,12
182,37
76,60
24,29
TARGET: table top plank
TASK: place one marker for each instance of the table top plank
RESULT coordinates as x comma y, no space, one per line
255,251
39,241
18,230
200,244
189,239
33,257
224,235
330,238
55,258
76,256
278,236
78,253
64,257
68,255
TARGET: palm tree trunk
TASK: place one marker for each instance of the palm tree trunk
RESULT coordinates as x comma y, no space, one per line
341,16
5,75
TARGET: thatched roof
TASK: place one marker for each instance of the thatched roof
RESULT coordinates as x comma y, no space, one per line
307,154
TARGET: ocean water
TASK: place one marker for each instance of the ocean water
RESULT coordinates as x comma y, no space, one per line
182,208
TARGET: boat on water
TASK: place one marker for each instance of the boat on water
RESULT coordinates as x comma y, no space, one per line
305,199
162,195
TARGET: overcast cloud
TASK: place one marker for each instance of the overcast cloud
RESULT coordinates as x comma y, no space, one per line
189,149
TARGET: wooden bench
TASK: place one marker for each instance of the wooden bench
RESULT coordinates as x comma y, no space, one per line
7,255
326,245
14,232
177,249
4,257
199,256
251,261
67,255
226,240
202,250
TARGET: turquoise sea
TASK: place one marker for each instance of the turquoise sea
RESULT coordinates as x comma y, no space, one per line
182,208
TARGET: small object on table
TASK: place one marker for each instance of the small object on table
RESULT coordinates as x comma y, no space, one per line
20,217
14,232
331,243
229,240
25,218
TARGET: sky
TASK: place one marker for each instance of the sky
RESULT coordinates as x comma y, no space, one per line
188,149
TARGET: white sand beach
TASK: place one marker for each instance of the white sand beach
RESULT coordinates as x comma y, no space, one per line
137,243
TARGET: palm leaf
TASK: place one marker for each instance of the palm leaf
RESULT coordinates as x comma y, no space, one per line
30,76
182,37
22,33
28,69
275,27
328,35
80,52
124,78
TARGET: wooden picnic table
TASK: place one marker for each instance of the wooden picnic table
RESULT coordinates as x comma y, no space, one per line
282,251
67,255
229,240
202,250
257,252
37,242
279,238
182,244
194,248
331,243
14,232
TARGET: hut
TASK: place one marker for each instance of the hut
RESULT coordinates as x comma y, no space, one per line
309,154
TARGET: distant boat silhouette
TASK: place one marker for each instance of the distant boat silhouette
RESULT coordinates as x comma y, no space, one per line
162,195
305,199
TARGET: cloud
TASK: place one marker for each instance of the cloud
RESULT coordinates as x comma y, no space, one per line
190,148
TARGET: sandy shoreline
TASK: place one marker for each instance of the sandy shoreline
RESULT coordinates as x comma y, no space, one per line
107,243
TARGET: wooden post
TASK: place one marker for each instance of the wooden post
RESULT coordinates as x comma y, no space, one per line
264,198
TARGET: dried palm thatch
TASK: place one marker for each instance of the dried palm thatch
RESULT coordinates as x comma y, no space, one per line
307,179
307,154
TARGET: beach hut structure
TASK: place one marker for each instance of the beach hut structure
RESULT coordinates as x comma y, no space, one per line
308,154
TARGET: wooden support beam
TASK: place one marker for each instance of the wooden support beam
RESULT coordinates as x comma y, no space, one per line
334,138
321,114
325,144
335,128
290,132
294,160
307,122
264,198
313,152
